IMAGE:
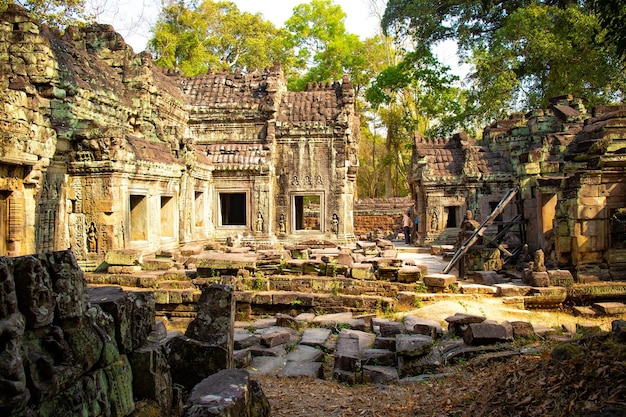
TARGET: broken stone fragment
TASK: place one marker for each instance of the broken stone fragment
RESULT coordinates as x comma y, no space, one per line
227,393
487,333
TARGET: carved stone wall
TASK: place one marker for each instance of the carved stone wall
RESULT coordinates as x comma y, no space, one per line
102,150
568,164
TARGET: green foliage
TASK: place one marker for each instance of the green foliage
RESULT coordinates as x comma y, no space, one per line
522,53
611,16
335,287
421,287
54,13
324,50
215,35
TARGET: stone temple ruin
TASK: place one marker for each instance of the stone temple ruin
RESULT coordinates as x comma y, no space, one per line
567,165
224,196
102,150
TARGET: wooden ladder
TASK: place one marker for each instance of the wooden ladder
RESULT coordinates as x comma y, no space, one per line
478,233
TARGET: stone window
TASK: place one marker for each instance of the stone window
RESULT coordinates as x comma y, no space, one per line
451,216
138,217
233,209
307,212
168,216
198,199
618,229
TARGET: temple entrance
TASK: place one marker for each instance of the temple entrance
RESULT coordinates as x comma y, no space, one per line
233,209
618,229
307,212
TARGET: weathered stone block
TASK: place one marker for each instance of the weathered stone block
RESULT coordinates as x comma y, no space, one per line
215,318
302,369
225,394
132,312
487,333
123,257
151,374
347,353
423,326
459,322
391,328
561,278
439,280
413,345
375,374
192,360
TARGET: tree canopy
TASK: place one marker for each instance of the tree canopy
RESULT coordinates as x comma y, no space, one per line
54,13
215,35
522,53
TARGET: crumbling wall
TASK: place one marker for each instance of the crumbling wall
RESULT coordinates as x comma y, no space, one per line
62,355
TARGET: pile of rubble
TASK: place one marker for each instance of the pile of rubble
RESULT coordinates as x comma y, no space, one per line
357,350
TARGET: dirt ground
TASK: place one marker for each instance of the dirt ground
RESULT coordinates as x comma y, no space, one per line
587,377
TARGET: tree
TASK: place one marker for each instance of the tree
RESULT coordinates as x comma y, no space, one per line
611,15
54,13
324,50
522,52
215,35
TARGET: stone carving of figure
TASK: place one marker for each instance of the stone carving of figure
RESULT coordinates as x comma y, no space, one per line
92,239
539,261
295,180
434,222
334,224
259,222
281,224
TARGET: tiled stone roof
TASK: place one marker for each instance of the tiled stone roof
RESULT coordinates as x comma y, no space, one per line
321,103
235,156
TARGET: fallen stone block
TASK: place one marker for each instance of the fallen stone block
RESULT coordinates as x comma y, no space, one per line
381,357
388,343
274,336
545,297
267,365
302,369
439,280
610,308
459,322
260,350
413,345
192,360
390,328
374,374
522,329
487,277
303,353
315,337
225,394
151,374
347,353
487,333
418,325
618,328
244,338
561,278
366,339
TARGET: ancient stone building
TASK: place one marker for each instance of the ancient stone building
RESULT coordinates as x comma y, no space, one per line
569,167
102,150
